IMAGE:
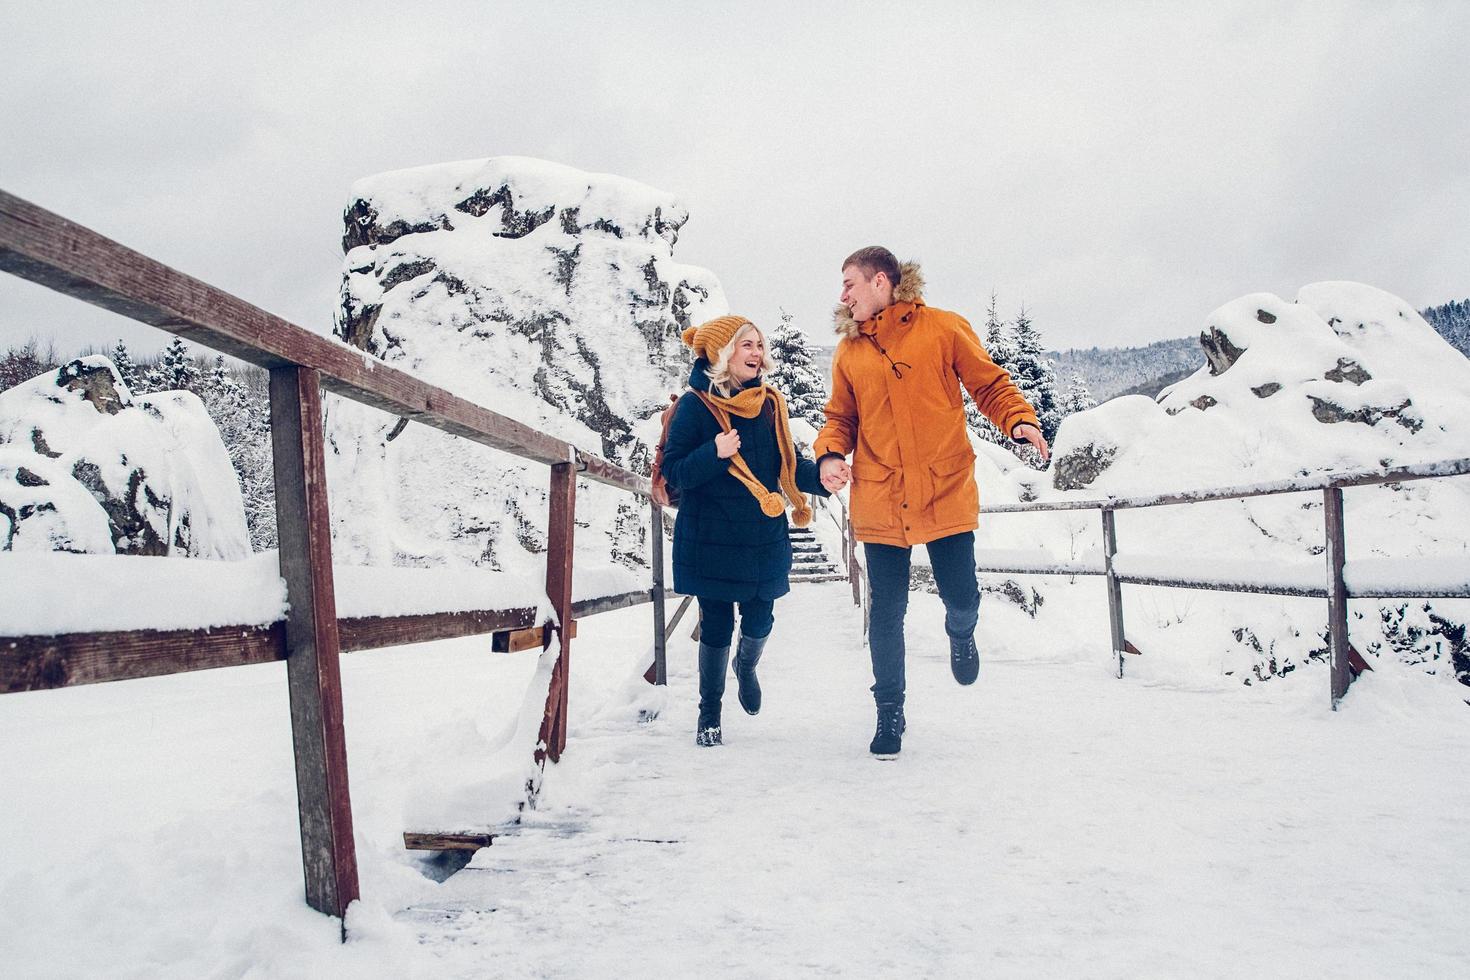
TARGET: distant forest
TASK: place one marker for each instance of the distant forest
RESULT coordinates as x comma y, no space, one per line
1112,371
1452,320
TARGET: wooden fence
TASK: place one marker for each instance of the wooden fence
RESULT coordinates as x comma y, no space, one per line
1257,579
45,248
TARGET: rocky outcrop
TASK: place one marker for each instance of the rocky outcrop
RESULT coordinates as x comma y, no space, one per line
1082,466
545,293
84,466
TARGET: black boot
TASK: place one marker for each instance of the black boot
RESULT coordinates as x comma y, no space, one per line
747,655
889,738
964,658
712,661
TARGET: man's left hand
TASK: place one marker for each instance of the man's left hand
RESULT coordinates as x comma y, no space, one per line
1026,432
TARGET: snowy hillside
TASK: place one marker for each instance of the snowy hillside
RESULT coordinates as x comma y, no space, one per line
547,294
1345,377
1112,371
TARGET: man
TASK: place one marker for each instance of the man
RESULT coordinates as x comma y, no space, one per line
896,408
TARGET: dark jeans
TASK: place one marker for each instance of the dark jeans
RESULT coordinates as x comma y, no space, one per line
717,620
953,560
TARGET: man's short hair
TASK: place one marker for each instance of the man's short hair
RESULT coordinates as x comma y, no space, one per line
873,260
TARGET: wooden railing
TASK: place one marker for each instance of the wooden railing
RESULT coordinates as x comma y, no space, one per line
1254,579
45,248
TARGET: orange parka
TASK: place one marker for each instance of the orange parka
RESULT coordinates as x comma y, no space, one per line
913,469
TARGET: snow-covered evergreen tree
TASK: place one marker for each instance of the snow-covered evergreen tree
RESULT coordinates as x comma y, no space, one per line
795,376
126,369
175,370
242,413
1076,398
20,364
1034,375
997,343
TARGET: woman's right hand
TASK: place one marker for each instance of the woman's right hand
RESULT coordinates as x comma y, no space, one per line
727,444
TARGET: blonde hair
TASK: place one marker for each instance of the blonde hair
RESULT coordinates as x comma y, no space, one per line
719,370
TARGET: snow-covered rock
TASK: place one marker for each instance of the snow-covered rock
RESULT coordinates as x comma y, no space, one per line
542,292
87,467
1345,377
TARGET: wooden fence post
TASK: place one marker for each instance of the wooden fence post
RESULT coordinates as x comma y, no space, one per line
1115,590
660,638
312,647
559,528
1337,621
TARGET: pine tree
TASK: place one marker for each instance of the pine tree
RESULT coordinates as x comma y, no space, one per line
242,414
20,364
795,376
175,370
1034,375
997,344
1076,398
126,369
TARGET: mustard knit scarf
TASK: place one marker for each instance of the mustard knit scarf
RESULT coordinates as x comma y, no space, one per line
748,404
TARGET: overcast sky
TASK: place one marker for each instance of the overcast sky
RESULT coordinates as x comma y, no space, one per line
1119,168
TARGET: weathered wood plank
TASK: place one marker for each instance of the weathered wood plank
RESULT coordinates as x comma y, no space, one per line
40,663
562,506
46,248
1212,585
660,668
1318,482
313,669
1337,610
1115,591
446,842
610,603
375,632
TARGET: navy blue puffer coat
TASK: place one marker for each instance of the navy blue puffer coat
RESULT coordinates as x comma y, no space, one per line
725,547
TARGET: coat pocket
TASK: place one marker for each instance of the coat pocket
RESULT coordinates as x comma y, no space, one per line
873,498
956,496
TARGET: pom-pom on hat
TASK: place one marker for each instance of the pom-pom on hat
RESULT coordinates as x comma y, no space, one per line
710,337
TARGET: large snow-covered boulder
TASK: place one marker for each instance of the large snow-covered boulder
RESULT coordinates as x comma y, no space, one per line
1346,377
542,292
87,467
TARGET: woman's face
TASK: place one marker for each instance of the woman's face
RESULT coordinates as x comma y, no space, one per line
750,353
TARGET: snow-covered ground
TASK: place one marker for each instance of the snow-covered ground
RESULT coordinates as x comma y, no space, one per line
1051,820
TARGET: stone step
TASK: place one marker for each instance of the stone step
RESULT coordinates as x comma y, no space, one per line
833,577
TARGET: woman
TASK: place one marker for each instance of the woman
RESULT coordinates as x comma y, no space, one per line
730,454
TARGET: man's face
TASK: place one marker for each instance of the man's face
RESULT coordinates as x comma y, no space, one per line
865,297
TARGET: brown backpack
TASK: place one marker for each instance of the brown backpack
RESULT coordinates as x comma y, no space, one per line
663,494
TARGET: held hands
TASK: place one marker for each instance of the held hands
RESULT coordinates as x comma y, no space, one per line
834,473
1026,432
727,444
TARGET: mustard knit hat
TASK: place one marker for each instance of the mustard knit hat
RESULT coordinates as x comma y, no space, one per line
710,337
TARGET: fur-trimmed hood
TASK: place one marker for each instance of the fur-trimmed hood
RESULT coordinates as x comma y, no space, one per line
910,289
